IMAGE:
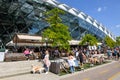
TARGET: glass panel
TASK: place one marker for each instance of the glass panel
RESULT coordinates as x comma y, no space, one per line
27,8
22,1
38,1
13,7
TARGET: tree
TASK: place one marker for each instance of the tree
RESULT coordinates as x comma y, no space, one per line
109,42
118,41
89,39
57,32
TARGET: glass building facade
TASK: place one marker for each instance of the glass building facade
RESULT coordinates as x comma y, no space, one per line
27,16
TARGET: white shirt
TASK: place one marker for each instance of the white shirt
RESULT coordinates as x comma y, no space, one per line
71,62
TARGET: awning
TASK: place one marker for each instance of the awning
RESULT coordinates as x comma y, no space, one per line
74,42
29,37
26,38
25,44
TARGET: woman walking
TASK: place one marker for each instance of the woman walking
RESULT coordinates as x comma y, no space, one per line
46,61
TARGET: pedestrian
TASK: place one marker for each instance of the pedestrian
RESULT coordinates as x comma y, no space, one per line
81,59
46,61
115,54
27,53
118,53
71,62
109,53
32,53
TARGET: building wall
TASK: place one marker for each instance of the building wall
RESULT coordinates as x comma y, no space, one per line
27,16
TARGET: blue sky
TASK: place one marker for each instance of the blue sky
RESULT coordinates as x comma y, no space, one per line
106,12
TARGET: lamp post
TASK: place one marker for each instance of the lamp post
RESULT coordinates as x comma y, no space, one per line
0,44
16,40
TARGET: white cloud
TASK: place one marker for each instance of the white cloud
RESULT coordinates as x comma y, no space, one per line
117,26
99,9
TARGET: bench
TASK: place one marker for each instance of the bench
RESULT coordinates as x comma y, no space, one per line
18,57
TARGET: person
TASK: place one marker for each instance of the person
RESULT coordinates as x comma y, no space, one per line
56,53
118,53
109,53
71,63
81,58
46,61
27,53
115,54
33,54
76,54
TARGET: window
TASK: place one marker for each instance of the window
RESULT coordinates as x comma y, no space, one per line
27,8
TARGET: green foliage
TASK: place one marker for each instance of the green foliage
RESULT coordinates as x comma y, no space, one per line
53,16
89,39
109,42
118,41
57,32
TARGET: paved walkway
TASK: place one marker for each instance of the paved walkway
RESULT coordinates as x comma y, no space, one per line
109,71
10,70
21,71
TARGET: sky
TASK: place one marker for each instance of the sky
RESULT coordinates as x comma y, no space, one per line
106,12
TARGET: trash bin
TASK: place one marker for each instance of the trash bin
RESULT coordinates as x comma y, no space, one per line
2,54
55,67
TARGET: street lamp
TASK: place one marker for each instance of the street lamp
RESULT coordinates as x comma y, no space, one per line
16,40
0,44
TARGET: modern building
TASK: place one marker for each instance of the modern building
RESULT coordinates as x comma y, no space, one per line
26,16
